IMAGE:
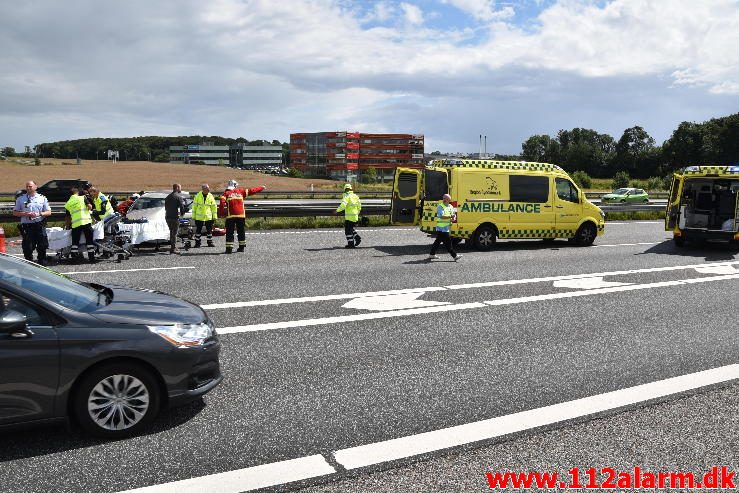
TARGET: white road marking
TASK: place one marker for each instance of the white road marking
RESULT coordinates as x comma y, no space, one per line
346,318
288,324
332,231
391,302
716,269
633,222
248,479
625,244
587,283
125,270
423,443
311,299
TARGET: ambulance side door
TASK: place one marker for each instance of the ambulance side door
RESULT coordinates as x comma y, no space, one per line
672,215
405,202
567,206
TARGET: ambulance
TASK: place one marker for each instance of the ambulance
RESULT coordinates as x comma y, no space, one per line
496,199
704,205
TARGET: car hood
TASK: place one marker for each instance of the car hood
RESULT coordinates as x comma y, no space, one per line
145,307
611,196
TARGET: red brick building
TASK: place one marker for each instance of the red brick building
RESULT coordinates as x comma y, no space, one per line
346,155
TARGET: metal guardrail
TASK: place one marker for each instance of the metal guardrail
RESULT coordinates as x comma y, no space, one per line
325,207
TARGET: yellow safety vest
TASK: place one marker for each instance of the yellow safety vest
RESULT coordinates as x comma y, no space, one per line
351,206
78,210
444,224
108,206
204,208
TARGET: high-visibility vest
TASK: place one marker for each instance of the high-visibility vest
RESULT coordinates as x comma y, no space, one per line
351,206
441,223
103,206
78,210
204,208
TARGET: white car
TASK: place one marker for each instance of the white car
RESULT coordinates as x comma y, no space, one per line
151,206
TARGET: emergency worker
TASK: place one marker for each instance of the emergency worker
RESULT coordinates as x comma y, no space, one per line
102,209
232,208
444,213
79,218
350,206
204,212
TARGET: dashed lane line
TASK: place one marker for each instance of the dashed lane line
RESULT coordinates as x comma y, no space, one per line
280,473
310,299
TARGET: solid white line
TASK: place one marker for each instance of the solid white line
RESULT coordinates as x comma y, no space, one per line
248,479
400,448
347,318
624,244
328,230
288,324
633,222
124,270
328,297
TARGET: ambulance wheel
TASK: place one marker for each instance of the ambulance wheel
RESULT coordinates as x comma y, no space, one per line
586,234
734,244
679,241
484,238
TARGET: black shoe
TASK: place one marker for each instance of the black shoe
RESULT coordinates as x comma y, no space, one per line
211,244
349,246
357,240
42,262
240,249
229,250
197,244
92,259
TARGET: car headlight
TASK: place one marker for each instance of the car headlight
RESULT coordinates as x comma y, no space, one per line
183,335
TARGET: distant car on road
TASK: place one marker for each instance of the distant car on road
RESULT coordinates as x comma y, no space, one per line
108,357
626,195
57,190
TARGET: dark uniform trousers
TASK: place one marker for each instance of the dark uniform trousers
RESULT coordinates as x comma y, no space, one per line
239,225
34,238
77,233
443,237
352,237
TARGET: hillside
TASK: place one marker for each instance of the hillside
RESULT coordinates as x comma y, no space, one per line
144,175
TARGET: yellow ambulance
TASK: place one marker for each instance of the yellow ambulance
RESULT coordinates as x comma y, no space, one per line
704,204
496,199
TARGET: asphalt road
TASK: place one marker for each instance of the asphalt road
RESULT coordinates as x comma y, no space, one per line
316,362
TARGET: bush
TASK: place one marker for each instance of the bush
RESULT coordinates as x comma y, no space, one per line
656,183
639,184
294,173
36,161
621,180
667,183
582,179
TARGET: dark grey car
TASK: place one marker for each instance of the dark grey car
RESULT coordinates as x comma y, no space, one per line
108,357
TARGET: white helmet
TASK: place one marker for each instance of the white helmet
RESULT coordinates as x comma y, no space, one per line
232,184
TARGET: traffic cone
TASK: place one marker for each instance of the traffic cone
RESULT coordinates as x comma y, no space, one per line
2,240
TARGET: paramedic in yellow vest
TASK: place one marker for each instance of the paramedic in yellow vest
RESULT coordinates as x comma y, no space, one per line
102,209
204,212
351,206
79,218
444,213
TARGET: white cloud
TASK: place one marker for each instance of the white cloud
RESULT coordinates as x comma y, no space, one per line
483,10
413,14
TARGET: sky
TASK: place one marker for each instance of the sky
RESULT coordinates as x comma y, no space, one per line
449,69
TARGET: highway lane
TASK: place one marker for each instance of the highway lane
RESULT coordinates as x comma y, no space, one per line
313,389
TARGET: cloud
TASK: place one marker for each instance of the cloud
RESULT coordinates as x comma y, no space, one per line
263,69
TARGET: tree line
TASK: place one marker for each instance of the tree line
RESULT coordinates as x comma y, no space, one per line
149,148
635,153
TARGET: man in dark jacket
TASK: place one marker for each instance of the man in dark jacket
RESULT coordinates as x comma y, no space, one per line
174,208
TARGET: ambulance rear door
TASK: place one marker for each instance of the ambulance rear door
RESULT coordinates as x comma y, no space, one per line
406,201
672,215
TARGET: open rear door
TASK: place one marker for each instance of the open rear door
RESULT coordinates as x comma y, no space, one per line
404,206
736,216
672,215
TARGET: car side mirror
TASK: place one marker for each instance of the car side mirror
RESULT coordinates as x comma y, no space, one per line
12,321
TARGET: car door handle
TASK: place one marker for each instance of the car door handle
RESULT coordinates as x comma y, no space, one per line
560,207
547,206
21,335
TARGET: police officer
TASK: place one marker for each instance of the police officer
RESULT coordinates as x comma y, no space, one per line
351,206
33,209
79,218
204,212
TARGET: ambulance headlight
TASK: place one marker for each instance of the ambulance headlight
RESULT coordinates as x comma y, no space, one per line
183,335
693,168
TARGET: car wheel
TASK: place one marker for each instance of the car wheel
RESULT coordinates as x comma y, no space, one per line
484,238
646,201
586,234
623,201
116,400
679,241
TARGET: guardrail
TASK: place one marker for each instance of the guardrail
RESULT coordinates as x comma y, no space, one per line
317,207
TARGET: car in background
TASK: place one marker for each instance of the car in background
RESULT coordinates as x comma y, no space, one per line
626,195
57,190
107,357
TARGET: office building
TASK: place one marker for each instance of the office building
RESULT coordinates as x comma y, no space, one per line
205,153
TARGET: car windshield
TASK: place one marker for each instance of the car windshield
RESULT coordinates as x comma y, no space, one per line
621,191
147,203
51,285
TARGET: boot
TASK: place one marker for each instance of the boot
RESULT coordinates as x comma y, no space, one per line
229,250
91,257
240,249
197,244
211,244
